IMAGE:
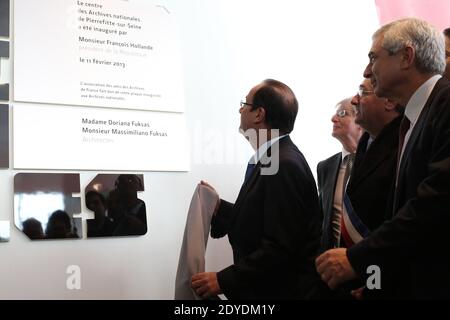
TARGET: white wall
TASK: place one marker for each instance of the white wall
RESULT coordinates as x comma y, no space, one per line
319,48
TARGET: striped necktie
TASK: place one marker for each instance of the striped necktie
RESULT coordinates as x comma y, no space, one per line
349,160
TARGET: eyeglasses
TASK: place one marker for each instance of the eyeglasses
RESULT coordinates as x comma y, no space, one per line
243,104
364,93
342,113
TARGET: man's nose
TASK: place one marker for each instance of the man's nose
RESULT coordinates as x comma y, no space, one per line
368,71
334,118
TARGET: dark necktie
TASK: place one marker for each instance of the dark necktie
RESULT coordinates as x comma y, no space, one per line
249,171
404,127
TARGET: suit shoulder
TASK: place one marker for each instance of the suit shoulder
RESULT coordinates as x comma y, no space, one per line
291,157
328,161
441,102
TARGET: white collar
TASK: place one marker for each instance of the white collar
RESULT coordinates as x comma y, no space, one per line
263,149
419,98
344,153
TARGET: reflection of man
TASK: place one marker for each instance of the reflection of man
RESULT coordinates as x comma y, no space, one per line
406,60
274,226
128,186
59,225
447,53
129,211
101,225
331,173
33,229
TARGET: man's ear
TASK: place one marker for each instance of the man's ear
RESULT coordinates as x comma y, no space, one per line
408,56
260,115
389,105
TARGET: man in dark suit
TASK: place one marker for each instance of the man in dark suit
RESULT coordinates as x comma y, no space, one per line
331,172
373,174
372,180
274,225
406,62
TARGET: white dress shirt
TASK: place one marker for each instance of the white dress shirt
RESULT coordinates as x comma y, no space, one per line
415,106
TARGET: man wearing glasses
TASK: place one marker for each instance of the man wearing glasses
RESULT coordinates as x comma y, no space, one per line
274,225
334,172
372,180
371,185
406,62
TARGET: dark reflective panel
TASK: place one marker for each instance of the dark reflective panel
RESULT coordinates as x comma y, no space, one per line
4,54
117,209
4,18
4,49
4,92
44,205
4,136
4,231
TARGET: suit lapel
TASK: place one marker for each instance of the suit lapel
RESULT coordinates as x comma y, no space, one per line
252,180
248,184
412,141
332,171
360,151
378,151
359,157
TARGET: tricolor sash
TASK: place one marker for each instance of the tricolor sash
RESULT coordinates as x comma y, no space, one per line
353,230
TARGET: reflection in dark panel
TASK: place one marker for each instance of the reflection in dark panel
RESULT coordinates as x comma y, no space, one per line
117,209
4,53
4,231
44,205
4,92
4,49
4,18
4,136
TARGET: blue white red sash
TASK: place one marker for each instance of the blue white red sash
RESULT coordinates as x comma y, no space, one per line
353,230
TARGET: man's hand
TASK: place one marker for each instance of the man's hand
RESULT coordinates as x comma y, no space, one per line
205,284
206,184
358,293
334,267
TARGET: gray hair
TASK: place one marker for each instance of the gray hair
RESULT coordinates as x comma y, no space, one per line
346,102
427,42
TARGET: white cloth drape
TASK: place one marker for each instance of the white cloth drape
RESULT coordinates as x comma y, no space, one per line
196,233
